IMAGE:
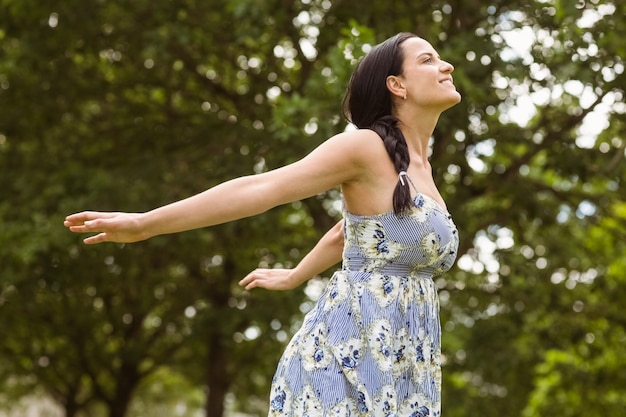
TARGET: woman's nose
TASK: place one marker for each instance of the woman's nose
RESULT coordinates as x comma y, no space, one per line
447,67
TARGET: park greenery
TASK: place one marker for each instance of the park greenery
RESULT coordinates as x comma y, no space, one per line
128,105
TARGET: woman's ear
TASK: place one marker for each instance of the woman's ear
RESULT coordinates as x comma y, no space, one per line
395,86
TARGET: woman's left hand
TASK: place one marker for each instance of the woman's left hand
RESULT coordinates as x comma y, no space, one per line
271,279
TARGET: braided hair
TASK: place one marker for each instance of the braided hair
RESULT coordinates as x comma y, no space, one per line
367,105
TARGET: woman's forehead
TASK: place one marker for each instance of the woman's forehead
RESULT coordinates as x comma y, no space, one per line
416,46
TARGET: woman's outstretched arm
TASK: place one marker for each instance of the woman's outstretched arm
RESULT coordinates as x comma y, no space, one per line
336,161
326,253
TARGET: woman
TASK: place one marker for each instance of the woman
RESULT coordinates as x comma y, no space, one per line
371,345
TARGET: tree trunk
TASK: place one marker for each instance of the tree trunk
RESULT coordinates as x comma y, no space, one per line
217,376
68,399
126,384
218,379
70,409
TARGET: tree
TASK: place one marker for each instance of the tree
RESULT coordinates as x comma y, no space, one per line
186,89
128,105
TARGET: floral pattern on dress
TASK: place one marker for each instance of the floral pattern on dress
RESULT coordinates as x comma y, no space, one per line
384,288
307,403
386,403
422,361
423,207
417,406
337,291
381,343
280,399
349,355
346,407
377,247
402,356
315,352
371,345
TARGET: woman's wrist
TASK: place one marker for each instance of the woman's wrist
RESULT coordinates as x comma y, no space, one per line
144,225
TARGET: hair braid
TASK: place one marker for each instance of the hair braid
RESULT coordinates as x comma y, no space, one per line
368,105
395,144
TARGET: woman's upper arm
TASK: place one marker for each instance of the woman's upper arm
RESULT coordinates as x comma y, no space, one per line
340,159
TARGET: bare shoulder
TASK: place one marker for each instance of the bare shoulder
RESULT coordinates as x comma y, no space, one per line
361,145
358,136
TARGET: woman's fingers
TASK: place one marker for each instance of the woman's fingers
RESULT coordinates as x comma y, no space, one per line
107,226
99,238
271,279
92,226
83,216
251,280
86,224
86,221
102,224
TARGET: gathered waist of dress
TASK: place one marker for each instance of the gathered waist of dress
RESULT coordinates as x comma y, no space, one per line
402,270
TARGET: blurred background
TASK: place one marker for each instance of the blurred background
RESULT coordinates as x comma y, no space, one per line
131,104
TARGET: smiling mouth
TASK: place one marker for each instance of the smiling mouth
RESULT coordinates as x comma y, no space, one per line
448,81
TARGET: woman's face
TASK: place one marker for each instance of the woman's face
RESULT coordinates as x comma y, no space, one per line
426,78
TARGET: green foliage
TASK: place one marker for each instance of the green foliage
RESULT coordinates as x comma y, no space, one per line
131,104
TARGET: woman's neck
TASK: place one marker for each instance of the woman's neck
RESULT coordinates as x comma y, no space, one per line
417,134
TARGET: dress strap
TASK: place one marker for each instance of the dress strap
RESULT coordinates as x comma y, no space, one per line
402,175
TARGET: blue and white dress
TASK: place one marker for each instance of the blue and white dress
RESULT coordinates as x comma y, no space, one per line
372,344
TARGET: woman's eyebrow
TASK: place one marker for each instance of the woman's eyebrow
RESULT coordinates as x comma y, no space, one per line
430,54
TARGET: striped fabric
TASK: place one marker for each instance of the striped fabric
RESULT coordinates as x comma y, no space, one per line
372,344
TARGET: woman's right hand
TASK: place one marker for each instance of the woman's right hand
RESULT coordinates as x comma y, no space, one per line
108,226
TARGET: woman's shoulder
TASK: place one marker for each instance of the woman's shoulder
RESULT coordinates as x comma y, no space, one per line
359,141
362,143
359,134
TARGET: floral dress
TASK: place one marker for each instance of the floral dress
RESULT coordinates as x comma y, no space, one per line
372,344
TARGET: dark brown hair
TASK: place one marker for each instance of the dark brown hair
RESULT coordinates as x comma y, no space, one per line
367,105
